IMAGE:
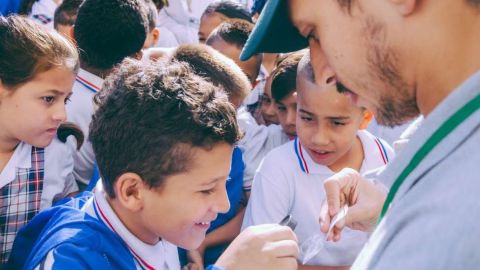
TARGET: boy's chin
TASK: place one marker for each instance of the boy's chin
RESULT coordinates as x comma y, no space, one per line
190,244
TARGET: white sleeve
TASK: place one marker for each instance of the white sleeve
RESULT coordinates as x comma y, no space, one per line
272,196
58,172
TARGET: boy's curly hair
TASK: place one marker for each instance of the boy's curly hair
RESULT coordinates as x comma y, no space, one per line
151,114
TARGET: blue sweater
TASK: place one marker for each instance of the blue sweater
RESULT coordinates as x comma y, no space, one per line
78,240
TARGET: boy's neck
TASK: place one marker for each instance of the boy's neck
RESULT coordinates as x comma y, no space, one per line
128,220
102,73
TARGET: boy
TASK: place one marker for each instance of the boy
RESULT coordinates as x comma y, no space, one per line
284,92
158,189
65,16
153,32
229,38
99,32
290,179
218,12
221,71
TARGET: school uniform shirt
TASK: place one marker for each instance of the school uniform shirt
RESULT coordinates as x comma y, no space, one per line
290,182
162,255
79,111
433,220
32,180
257,141
253,101
43,12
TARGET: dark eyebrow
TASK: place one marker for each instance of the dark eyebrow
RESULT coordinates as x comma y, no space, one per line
57,92
306,112
338,118
214,181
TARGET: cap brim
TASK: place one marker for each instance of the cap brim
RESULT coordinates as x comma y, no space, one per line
273,32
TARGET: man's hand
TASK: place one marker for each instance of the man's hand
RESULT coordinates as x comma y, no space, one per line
363,196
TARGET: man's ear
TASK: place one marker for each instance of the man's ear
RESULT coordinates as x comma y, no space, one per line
405,7
128,190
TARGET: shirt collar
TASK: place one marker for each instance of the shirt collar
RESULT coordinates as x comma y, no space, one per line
21,158
306,163
372,159
89,80
145,255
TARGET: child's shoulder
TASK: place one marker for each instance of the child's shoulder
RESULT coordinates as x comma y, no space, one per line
281,158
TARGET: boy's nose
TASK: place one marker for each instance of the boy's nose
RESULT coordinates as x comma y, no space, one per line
291,117
222,204
320,137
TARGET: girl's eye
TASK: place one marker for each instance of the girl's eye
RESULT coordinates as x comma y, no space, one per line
49,99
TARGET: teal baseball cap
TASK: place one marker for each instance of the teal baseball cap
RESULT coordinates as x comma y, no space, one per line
273,32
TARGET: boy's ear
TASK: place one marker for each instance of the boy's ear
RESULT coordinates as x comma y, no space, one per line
128,191
367,118
155,36
72,34
405,7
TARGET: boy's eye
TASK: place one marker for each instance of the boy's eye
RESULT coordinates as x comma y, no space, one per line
281,108
208,191
67,99
306,118
49,99
338,123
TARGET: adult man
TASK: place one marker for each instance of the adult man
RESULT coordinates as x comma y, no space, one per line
400,58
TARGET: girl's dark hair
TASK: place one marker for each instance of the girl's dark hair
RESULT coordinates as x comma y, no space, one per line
66,129
27,49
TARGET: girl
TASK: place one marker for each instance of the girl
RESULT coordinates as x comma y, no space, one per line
37,71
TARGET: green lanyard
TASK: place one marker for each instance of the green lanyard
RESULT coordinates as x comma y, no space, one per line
446,128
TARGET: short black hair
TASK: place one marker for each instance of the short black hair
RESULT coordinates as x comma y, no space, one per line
152,14
230,9
233,31
219,69
107,31
150,114
66,13
284,76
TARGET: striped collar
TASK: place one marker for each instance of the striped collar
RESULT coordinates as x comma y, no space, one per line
375,155
148,257
89,80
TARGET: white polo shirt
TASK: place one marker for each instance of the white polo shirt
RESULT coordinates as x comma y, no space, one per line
258,140
80,111
58,180
290,182
43,12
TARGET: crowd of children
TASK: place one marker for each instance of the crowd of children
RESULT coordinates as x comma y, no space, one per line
112,160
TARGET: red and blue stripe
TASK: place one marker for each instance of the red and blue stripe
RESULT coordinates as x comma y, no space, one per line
382,150
90,86
301,159
101,216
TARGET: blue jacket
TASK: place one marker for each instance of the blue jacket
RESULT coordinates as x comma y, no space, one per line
78,240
